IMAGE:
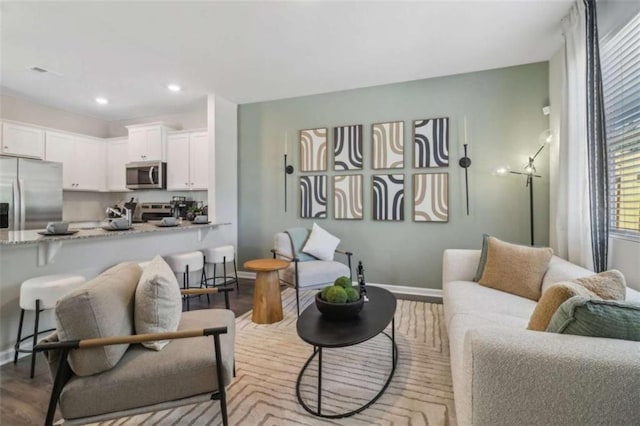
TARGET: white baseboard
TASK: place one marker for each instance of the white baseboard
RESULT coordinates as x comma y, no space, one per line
6,356
396,289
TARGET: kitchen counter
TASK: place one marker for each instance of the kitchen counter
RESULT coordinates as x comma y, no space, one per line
85,232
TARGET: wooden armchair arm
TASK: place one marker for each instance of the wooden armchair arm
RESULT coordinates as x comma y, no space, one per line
134,338
277,253
348,253
211,290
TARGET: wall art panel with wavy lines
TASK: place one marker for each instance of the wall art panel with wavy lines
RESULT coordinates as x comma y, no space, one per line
313,196
347,147
388,145
431,197
431,143
388,197
313,150
347,197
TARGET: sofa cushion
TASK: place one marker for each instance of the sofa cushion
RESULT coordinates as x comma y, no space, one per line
608,285
182,369
101,307
551,300
464,297
584,316
321,244
562,270
515,269
315,273
158,303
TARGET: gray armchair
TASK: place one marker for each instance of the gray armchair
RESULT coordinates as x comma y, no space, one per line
196,366
311,273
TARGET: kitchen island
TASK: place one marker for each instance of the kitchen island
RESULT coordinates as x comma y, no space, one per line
88,252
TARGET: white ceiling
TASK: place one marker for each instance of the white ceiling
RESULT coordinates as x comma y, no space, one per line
253,51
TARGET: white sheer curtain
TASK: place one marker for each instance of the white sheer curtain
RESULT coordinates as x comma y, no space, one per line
570,233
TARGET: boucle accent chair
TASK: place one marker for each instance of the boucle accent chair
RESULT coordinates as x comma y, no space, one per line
504,374
106,373
308,273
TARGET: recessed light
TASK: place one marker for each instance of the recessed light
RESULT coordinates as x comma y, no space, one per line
174,87
102,101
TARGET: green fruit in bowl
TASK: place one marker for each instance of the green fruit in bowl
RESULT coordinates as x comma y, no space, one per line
335,294
323,293
352,294
343,282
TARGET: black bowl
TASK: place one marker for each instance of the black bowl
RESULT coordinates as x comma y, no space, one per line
339,311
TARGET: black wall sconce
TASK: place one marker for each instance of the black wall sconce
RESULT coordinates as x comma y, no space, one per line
288,170
465,163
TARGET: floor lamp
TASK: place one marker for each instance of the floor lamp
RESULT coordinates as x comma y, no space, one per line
529,171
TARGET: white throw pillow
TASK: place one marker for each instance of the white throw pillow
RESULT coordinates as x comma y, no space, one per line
321,244
158,302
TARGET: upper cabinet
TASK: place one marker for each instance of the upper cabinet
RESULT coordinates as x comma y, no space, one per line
22,141
188,161
117,157
82,158
147,142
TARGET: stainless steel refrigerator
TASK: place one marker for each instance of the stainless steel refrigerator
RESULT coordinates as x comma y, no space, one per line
30,193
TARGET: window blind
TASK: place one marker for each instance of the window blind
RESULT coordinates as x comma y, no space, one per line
620,62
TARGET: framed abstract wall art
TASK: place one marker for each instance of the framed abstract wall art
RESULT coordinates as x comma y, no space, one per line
388,197
388,145
431,143
313,196
431,197
313,150
347,197
347,143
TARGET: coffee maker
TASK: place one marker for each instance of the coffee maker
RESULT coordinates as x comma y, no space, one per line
180,206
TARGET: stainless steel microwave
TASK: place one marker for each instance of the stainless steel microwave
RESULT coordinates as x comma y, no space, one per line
147,175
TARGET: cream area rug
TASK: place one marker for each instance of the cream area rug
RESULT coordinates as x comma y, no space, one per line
269,358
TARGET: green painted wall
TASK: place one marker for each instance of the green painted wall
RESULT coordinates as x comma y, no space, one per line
504,115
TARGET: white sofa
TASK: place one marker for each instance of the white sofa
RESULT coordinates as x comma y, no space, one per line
504,374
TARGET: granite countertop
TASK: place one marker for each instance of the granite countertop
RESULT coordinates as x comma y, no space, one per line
93,231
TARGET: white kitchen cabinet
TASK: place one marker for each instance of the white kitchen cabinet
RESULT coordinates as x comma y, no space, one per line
188,161
83,161
22,141
117,157
147,142
199,161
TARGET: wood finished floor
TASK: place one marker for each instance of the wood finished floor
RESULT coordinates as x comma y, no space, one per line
24,401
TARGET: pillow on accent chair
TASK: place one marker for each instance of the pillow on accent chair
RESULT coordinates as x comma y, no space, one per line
514,268
483,258
158,303
551,300
584,316
101,307
321,244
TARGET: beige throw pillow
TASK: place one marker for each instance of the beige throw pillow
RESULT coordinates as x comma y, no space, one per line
102,307
551,300
158,303
609,285
515,269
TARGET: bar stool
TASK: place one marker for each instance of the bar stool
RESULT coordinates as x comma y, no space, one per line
223,255
185,263
38,294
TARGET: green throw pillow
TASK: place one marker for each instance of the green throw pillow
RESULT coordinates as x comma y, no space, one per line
584,316
483,258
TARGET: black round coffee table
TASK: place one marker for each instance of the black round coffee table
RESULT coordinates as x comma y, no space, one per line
314,329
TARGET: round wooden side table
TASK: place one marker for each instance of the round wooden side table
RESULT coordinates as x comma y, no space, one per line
267,302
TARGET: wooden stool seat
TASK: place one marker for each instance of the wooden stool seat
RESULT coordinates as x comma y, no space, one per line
267,301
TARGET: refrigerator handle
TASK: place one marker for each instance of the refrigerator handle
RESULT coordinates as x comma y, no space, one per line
15,199
23,213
